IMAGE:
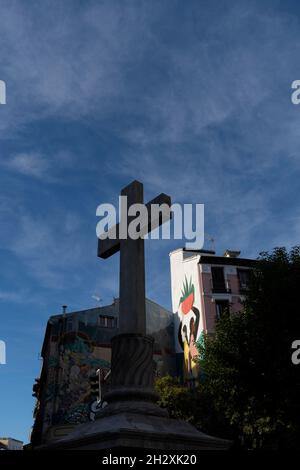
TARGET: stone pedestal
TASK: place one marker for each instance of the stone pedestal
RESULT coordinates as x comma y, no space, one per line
132,419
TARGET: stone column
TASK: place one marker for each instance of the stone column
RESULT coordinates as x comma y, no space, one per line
132,376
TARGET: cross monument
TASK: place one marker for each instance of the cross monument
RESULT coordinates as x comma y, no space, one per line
132,314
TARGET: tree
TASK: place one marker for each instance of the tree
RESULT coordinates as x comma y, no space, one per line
176,398
247,373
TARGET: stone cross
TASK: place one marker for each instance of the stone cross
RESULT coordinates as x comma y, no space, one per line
132,309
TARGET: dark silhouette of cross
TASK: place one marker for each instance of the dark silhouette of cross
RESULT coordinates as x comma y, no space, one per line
132,309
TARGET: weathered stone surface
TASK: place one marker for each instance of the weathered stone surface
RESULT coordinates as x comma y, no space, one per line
132,272
132,361
138,431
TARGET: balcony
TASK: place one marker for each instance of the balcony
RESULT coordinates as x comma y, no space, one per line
220,287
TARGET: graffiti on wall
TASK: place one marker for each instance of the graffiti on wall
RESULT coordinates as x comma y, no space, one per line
189,329
68,398
76,346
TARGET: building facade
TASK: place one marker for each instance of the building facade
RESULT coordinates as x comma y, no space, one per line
76,344
9,443
203,287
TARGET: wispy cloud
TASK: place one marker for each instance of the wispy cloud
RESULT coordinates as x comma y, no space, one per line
203,112
28,164
11,296
40,165
67,62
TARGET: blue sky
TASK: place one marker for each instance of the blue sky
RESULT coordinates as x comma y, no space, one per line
192,98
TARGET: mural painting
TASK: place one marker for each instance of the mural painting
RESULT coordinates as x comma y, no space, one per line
68,392
189,329
75,346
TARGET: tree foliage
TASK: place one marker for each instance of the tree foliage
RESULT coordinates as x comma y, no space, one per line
247,368
177,398
249,389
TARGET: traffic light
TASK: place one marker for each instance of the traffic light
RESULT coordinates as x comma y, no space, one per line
94,384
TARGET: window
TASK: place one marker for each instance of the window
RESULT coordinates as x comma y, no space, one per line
110,322
106,322
69,326
244,277
222,306
218,279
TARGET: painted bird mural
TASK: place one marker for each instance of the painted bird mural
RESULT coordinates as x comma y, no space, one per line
188,331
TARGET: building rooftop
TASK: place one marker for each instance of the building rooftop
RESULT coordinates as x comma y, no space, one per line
12,438
230,257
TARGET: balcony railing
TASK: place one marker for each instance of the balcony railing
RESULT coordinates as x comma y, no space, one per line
220,287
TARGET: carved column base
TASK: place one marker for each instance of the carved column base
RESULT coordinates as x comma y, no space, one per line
132,420
132,377
132,361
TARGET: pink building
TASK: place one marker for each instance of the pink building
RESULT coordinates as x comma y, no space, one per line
204,286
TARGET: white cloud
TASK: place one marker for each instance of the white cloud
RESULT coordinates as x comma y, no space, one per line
39,165
58,61
201,111
11,296
109,60
28,164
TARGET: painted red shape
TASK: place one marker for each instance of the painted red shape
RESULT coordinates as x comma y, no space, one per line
187,304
